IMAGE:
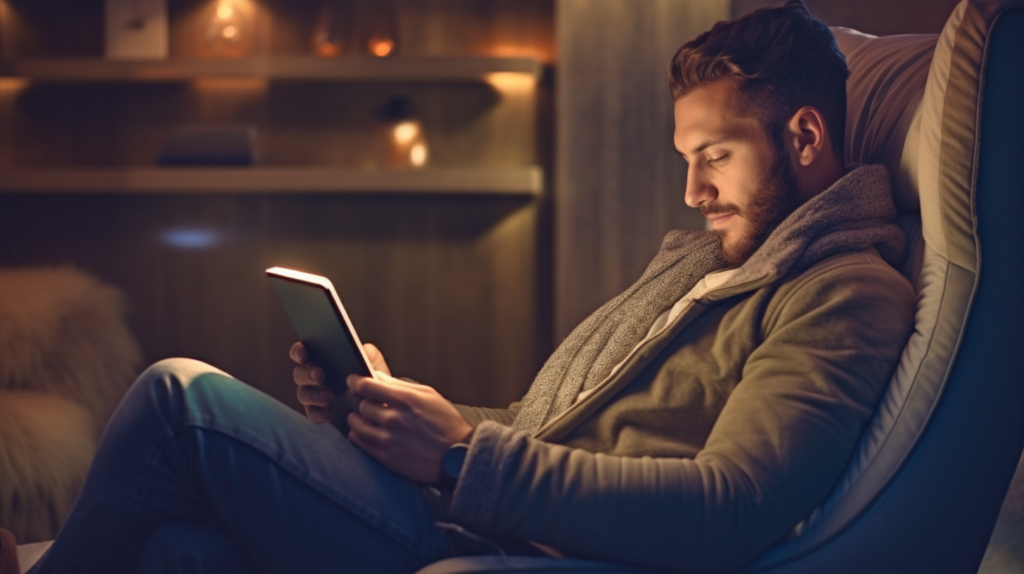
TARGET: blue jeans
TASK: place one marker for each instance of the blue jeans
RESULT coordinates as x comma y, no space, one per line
199,472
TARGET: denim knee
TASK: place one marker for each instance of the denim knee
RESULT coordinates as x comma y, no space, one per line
179,369
181,547
158,396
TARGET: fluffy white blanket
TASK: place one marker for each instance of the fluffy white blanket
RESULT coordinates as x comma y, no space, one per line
66,359
63,332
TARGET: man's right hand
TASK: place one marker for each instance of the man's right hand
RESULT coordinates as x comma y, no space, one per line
317,399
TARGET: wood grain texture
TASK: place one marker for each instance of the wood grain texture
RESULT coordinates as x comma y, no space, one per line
447,287
619,183
277,180
879,17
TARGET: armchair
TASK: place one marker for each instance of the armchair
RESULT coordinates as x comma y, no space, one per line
923,492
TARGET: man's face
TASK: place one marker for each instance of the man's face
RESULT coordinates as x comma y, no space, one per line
737,176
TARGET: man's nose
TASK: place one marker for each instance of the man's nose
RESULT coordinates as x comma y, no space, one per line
698,189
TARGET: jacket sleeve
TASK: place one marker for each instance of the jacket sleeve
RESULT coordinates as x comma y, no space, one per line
780,443
476,415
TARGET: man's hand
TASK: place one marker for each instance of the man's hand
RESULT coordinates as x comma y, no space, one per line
317,399
406,427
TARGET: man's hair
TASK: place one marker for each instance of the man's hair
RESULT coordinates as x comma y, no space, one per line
783,58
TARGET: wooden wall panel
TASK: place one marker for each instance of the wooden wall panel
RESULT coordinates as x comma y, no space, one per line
619,183
447,287
456,290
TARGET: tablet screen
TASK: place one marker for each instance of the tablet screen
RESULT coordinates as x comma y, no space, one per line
321,324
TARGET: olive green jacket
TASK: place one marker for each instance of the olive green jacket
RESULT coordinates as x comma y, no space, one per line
715,438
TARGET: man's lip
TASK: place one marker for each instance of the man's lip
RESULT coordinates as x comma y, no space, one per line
719,219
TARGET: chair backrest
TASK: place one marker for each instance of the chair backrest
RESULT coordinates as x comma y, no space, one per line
946,115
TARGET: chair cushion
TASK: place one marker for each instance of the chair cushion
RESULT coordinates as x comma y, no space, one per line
887,81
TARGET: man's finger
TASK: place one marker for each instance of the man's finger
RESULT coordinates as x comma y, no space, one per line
374,412
307,375
315,395
369,448
383,391
297,353
376,358
319,414
364,430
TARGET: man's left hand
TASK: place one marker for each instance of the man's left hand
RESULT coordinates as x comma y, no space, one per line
405,426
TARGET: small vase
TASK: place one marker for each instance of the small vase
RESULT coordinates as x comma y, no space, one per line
377,24
328,39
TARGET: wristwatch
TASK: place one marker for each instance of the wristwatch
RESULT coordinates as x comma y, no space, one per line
451,464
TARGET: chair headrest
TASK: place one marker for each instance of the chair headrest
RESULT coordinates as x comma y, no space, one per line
887,81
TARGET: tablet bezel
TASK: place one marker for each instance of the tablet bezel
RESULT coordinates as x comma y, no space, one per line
325,284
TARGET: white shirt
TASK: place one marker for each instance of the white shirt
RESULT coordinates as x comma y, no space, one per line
709,282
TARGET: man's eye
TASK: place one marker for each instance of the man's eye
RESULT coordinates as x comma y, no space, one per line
718,159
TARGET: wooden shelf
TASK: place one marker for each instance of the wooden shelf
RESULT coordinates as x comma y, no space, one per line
470,68
439,181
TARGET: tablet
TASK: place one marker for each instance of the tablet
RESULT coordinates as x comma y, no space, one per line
324,328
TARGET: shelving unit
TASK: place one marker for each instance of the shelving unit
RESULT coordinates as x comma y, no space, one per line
439,69
525,181
444,265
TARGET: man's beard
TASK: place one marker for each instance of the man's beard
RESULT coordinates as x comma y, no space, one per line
777,197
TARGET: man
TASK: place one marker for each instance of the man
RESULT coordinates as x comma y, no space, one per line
689,423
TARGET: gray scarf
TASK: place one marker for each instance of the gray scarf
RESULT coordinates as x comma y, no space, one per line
855,213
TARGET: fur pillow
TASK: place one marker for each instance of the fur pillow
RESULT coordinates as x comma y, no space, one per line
63,332
46,445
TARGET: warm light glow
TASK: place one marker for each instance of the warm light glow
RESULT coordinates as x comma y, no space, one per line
381,47
405,132
327,49
229,28
418,155
225,10
511,81
13,86
534,51
238,84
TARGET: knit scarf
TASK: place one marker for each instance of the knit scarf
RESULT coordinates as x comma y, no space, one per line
855,213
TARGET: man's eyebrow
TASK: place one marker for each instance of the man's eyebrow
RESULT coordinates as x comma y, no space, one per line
706,144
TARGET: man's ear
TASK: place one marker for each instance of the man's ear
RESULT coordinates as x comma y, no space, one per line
807,136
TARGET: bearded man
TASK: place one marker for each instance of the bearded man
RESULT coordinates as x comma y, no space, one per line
689,423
